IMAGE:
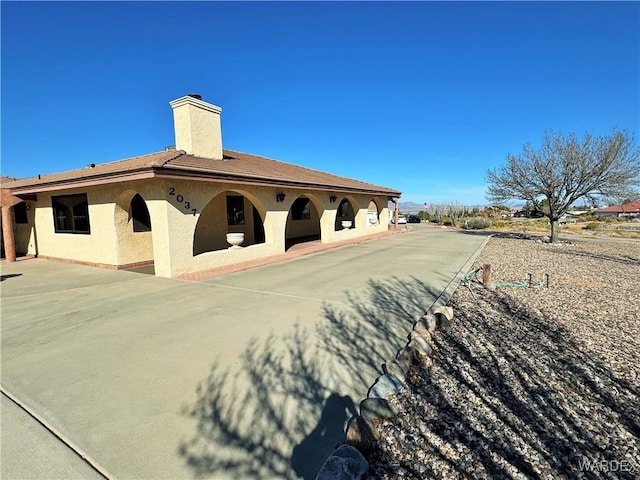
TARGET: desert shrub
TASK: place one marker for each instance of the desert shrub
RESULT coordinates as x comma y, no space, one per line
476,223
592,225
609,219
498,224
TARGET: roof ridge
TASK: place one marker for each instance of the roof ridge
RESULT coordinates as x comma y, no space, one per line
179,153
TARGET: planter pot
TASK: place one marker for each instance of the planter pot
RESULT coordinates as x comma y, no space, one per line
346,224
235,239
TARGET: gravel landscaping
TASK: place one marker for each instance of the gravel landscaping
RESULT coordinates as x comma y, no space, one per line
529,382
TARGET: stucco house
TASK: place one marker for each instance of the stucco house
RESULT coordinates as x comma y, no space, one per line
627,210
173,209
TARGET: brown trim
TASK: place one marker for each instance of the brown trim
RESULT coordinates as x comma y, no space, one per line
107,266
140,174
129,266
29,197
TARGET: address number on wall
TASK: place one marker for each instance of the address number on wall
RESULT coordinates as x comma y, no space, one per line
180,199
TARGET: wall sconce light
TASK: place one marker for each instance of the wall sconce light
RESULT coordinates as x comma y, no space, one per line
280,197
333,198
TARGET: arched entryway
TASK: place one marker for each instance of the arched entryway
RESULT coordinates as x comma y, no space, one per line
373,214
228,212
345,213
303,222
134,235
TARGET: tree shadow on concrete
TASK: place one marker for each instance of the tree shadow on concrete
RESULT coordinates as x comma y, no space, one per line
8,276
512,393
283,411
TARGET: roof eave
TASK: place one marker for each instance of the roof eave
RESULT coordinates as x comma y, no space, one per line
93,180
204,175
184,173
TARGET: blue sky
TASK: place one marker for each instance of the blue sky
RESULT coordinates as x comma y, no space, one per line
419,96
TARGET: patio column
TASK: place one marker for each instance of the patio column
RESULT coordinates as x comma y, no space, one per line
8,235
396,212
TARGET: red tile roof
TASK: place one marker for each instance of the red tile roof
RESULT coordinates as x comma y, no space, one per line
235,167
633,207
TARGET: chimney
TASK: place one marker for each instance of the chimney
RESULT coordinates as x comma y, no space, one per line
197,126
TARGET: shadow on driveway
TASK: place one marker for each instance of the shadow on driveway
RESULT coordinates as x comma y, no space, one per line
303,394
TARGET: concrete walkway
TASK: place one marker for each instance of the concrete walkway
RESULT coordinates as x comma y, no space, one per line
246,375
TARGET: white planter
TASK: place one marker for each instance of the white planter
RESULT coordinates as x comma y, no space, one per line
235,239
346,224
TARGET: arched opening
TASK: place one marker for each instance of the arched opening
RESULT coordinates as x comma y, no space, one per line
303,223
139,213
373,214
228,212
345,213
133,232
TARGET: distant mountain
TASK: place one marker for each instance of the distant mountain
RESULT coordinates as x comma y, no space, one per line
410,207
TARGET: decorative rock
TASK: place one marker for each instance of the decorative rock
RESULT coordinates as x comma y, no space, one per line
444,315
360,435
446,310
420,328
405,356
430,322
422,348
396,368
385,386
346,463
374,409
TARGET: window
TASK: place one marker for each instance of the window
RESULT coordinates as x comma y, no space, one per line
71,213
343,209
20,213
301,209
235,210
140,215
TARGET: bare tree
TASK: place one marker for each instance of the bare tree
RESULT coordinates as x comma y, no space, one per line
455,211
437,212
566,169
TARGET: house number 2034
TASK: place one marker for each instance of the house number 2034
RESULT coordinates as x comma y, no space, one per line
180,199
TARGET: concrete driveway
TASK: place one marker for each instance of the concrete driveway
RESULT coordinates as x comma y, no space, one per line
247,375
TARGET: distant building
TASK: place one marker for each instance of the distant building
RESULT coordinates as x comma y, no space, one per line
627,210
173,209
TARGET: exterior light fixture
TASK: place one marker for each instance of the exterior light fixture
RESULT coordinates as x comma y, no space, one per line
333,198
280,197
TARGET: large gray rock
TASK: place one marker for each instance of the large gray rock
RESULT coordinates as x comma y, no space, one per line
346,463
396,368
385,386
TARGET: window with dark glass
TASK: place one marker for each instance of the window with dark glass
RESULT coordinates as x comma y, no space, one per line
140,215
235,210
71,213
301,209
20,213
343,209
